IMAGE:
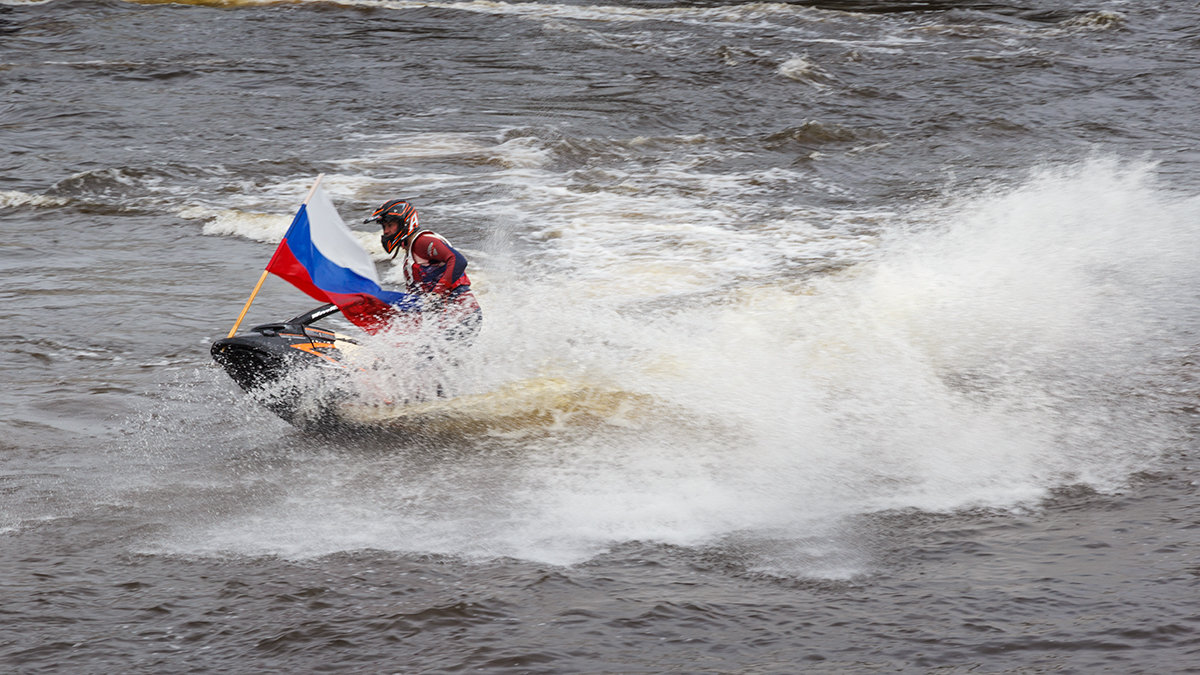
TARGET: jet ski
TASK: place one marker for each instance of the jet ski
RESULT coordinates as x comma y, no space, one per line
293,368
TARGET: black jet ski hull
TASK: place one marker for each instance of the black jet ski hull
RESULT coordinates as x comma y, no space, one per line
268,362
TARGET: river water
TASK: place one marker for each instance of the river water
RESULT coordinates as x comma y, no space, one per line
820,337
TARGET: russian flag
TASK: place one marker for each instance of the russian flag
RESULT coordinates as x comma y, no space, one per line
320,256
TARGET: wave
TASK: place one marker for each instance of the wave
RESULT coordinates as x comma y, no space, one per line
14,198
1099,20
734,14
803,69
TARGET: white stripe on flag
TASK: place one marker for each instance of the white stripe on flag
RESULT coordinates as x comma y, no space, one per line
334,240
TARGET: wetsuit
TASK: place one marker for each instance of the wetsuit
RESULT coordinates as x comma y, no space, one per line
437,271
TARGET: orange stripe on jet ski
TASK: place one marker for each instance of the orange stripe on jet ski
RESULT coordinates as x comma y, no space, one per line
312,348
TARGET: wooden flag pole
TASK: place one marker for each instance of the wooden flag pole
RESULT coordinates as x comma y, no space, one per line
245,309
263,278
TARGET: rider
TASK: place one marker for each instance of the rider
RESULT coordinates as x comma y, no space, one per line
433,269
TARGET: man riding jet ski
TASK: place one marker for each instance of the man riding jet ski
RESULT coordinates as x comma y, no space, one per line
433,269
320,256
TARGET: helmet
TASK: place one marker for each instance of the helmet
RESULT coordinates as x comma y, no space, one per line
395,211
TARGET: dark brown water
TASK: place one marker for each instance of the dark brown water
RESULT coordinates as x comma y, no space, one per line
821,337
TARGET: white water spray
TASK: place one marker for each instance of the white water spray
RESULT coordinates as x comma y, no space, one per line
993,348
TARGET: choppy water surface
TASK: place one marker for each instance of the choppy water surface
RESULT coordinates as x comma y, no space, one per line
820,337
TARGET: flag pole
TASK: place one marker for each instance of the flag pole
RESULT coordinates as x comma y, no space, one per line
263,278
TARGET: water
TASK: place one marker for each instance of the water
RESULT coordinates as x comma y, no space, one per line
826,337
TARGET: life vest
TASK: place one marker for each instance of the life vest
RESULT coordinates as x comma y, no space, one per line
416,274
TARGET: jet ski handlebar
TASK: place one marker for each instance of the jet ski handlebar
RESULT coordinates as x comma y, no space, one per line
314,315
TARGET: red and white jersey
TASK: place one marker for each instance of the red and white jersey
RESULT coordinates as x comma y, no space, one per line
432,265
